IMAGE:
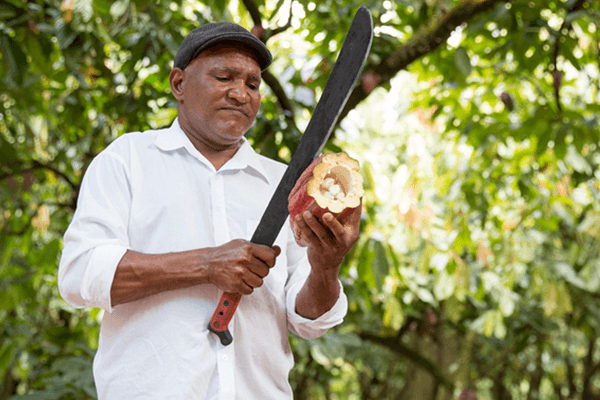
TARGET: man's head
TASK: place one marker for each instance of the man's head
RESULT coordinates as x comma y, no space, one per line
215,79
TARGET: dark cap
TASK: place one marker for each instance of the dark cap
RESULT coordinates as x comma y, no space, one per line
208,35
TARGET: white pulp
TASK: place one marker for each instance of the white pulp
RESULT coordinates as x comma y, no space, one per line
331,189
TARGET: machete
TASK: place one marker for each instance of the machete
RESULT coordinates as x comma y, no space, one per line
344,76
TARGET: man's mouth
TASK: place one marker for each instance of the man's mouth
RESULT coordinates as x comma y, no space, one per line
239,110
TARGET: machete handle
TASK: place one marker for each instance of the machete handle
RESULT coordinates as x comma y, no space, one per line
219,322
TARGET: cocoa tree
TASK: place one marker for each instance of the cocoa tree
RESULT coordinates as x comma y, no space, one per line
477,274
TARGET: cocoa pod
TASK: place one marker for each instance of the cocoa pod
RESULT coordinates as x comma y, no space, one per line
507,100
332,183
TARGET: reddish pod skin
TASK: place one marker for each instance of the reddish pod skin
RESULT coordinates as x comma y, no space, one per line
300,200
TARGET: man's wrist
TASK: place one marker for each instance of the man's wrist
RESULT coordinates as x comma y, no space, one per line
325,269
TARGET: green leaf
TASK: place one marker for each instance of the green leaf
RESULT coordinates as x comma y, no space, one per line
365,265
6,357
425,295
7,12
7,248
462,61
485,323
7,151
507,302
84,8
392,315
567,272
381,264
102,6
15,59
577,161
118,8
439,261
574,15
39,54
590,274
444,286
590,225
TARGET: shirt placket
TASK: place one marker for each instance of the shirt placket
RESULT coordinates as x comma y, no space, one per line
225,354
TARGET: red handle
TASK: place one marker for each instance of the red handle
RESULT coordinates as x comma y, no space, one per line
220,319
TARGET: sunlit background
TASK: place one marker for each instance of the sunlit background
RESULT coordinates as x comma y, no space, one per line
476,123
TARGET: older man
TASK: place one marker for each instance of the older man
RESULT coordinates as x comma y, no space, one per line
161,231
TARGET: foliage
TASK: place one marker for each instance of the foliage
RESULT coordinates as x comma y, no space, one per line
478,270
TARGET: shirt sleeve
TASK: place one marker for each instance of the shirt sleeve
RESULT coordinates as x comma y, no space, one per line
298,271
97,237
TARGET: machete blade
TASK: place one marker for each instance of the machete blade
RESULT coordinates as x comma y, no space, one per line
344,76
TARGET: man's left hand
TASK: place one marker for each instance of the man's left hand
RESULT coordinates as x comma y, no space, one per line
327,239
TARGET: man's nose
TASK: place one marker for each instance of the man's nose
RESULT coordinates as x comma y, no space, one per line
239,92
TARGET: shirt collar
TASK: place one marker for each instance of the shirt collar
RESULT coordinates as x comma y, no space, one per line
174,138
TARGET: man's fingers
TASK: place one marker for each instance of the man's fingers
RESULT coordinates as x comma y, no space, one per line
334,226
259,268
307,233
240,266
264,259
277,250
245,289
319,230
300,239
266,254
252,280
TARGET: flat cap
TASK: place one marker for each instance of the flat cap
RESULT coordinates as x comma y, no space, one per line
208,35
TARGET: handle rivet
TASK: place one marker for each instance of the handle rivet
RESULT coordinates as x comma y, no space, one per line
216,324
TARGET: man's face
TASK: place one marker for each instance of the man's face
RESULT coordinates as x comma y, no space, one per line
218,94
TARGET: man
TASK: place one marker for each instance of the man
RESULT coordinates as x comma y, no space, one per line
161,230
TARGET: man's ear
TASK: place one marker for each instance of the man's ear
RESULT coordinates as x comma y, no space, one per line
176,78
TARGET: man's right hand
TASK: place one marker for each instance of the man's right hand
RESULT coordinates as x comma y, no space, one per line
235,267
239,266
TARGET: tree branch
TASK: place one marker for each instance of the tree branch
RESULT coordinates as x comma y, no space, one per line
39,165
254,12
399,348
280,29
284,102
553,63
570,376
268,77
9,387
423,42
590,368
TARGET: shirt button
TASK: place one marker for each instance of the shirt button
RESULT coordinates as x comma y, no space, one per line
225,358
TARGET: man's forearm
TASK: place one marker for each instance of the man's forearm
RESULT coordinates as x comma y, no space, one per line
141,275
319,294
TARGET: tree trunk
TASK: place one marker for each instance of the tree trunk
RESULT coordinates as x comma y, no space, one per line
536,378
420,383
590,369
499,391
9,386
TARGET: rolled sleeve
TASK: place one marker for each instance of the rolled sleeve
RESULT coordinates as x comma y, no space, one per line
96,239
298,271
313,328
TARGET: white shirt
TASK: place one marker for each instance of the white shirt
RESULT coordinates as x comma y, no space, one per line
153,192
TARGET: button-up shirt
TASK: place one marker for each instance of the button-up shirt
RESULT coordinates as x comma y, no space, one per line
153,192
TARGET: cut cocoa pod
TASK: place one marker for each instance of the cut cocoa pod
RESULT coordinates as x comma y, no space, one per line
332,183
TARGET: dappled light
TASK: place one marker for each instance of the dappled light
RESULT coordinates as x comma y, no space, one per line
476,124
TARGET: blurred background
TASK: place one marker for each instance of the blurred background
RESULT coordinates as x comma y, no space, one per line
476,123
